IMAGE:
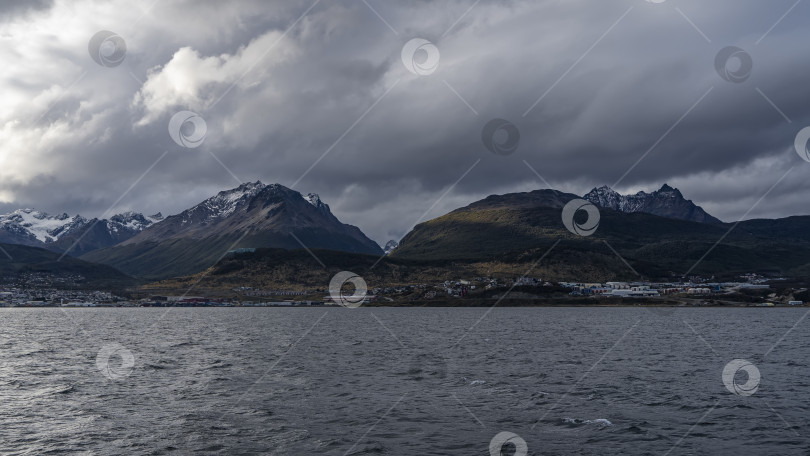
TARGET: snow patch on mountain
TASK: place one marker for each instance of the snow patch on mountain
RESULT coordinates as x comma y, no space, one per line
227,202
313,199
607,197
128,222
665,202
40,225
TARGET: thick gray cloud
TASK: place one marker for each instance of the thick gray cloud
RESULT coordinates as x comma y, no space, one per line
593,88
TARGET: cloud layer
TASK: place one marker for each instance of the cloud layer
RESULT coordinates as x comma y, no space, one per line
315,95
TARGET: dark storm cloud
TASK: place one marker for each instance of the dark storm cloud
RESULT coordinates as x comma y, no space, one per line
280,90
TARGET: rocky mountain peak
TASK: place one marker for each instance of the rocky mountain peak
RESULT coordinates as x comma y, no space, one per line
226,202
665,202
669,191
132,222
313,199
127,216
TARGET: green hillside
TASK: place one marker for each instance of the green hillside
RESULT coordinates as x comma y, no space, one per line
654,246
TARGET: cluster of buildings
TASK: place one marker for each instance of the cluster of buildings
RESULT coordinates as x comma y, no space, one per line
23,297
652,289
461,288
50,297
33,290
693,286
249,291
39,289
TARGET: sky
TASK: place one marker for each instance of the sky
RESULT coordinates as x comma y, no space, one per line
397,112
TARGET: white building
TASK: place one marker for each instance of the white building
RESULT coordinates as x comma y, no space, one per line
635,293
697,290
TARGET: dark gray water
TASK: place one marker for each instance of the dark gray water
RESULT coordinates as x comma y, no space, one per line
398,381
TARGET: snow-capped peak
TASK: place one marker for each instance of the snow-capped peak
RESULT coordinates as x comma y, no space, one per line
666,202
132,221
124,216
226,202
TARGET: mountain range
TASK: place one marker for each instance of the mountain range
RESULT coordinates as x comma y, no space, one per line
657,234
74,234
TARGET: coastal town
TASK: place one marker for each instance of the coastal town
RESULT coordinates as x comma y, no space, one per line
38,290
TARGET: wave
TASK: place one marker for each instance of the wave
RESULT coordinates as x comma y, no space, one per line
599,421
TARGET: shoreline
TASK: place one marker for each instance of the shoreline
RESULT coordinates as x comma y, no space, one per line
548,305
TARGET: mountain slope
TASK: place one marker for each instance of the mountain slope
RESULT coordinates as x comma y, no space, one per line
249,216
20,259
665,202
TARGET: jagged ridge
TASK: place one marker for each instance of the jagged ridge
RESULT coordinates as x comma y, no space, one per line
664,202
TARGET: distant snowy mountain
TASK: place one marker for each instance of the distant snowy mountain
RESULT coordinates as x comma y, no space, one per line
31,227
61,232
664,202
132,222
